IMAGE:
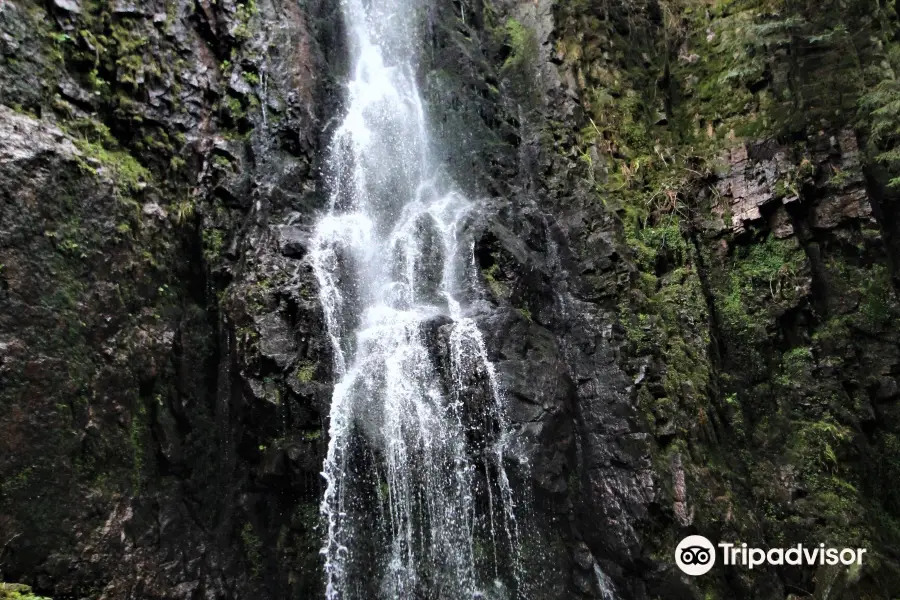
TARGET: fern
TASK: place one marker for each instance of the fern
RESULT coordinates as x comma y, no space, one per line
828,36
880,110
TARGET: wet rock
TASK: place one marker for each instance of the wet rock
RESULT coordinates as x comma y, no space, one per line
152,209
68,5
24,139
583,557
276,340
294,242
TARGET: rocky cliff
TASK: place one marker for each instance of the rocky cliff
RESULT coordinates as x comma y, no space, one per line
687,232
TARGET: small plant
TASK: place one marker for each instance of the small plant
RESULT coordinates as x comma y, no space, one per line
306,371
213,242
252,549
520,41
18,591
183,211
98,144
880,106
221,162
137,434
821,441
177,163
490,274
245,12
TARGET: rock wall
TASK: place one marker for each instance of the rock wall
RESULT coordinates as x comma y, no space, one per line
688,246
752,271
162,364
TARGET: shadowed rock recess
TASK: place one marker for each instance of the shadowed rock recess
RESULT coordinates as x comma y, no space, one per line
686,241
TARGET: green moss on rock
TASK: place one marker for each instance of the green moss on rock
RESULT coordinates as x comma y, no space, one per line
18,591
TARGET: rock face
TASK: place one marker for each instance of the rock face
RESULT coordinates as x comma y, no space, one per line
688,244
163,368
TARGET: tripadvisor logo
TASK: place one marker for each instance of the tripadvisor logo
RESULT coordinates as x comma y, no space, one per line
696,555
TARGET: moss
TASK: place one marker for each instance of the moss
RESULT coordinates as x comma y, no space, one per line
763,263
113,46
245,13
248,340
101,149
520,41
781,366
222,162
818,442
637,328
130,61
234,111
15,483
213,243
137,437
497,287
260,295
760,277
821,448
18,591
117,56
796,368
306,372
878,307
671,324
644,149
650,243
252,550
312,436
682,308
158,141
841,177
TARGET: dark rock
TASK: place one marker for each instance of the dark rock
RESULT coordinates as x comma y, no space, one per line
276,340
294,242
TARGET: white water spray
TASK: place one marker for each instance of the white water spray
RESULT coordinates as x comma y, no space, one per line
417,502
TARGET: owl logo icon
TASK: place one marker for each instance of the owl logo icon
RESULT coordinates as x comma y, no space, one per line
695,555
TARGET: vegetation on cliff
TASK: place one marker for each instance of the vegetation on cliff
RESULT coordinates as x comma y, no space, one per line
725,136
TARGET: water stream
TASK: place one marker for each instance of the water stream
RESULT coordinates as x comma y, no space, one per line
418,503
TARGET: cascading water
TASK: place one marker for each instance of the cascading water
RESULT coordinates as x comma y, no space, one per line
417,503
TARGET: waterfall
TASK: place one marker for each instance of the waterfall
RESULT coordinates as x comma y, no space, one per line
418,503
